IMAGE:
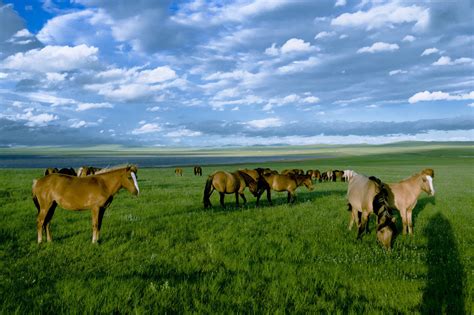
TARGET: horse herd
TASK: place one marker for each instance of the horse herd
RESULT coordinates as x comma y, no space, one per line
93,188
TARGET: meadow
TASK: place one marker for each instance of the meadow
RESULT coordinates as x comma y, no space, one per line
163,252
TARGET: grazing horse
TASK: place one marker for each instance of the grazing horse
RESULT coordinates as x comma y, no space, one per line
50,170
348,174
338,174
197,171
228,183
280,182
404,195
178,171
315,174
367,195
93,192
67,171
87,170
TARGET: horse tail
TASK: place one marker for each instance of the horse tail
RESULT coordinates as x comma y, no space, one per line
208,191
380,202
35,199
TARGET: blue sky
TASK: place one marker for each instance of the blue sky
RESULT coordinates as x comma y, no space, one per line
245,72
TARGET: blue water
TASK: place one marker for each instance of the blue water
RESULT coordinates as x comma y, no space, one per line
43,161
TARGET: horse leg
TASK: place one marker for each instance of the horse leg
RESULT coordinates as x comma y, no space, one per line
222,195
410,222
40,218
95,224
236,198
269,196
403,214
363,223
243,197
47,221
99,223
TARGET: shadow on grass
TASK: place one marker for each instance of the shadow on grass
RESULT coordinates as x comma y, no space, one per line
420,206
446,280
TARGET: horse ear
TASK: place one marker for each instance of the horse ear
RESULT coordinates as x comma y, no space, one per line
428,171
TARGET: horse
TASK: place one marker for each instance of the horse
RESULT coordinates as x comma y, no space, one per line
280,182
338,174
93,192
315,174
67,171
295,171
367,195
197,171
348,174
50,170
228,183
178,171
84,171
403,195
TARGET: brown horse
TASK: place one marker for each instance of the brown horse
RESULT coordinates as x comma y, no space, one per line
67,171
337,174
197,171
294,171
93,192
228,183
87,170
50,170
404,195
279,182
178,171
315,174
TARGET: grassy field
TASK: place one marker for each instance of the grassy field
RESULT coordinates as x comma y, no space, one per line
162,252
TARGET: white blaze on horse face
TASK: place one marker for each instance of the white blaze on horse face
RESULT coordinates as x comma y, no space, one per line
135,181
430,182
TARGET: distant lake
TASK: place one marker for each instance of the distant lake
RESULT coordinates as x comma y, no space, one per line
44,161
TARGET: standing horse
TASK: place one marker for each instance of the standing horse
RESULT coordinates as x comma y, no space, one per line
279,182
93,192
228,183
197,171
84,171
67,171
178,171
315,174
404,195
50,170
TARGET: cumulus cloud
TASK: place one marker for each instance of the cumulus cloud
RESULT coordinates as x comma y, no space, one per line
38,120
385,15
398,71
147,128
409,38
324,34
446,61
293,45
299,66
378,47
265,123
429,51
53,59
439,96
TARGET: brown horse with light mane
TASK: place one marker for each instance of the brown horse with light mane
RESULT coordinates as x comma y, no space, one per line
279,182
84,171
93,192
228,183
403,196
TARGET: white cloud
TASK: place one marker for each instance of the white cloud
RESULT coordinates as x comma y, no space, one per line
385,15
3,75
156,75
53,59
147,128
398,71
55,76
183,133
311,99
78,124
87,106
429,51
153,109
439,96
291,46
36,120
299,66
378,47
340,3
324,34
23,33
470,104
265,123
409,38
446,61
50,99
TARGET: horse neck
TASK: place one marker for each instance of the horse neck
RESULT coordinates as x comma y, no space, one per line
413,184
112,181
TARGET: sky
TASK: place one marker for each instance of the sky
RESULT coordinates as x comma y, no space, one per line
243,72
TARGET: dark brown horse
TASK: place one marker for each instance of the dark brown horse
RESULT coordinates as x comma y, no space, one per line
228,183
279,182
67,171
87,170
93,192
50,170
197,171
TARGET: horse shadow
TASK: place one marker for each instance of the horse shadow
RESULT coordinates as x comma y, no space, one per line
445,289
420,206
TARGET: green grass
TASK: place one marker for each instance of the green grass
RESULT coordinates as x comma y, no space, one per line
162,252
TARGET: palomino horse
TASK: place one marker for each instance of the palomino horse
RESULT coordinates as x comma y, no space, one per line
197,171
404,195
93,192
279,182
178,171
84,171
228,183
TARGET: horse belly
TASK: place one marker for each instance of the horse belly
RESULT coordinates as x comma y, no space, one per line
71,200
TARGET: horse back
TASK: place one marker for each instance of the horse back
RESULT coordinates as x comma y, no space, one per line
361,192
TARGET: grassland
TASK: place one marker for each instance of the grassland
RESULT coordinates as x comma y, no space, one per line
162,252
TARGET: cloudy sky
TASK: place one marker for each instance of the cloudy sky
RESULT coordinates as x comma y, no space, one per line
244,72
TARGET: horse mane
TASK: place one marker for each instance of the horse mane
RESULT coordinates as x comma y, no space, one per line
115,168
380,201
428,171
247,178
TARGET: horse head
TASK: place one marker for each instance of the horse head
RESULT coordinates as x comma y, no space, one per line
129,180
305,180
427,181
